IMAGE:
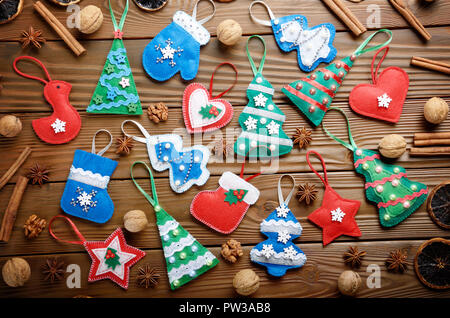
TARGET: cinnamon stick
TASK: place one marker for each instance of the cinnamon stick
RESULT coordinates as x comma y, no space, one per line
430,151
347,17
9,217
59,28
14,167
431,64
440,135
431,142
400,6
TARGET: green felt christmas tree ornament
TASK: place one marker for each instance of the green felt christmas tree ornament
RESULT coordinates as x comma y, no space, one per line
387,185
116,91
261,119
186,258
314,94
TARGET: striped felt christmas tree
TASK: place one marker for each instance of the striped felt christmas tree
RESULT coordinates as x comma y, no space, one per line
261,119
314,94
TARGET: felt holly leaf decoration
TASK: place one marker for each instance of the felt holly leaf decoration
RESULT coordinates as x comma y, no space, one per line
111,258
209,111
233,196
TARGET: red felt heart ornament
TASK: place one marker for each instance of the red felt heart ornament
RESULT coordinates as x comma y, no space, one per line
384,98
201,111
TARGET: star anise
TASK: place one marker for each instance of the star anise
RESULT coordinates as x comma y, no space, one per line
53,269
222,146
124,145
353,257
397,261
307,192
38,174
32,36
147,276
302,137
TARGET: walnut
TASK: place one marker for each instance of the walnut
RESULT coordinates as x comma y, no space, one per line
246,282
91,19
231,251
34,226
158,112
349,283
229,32
135,221
10,126
392,146
435,110
16,272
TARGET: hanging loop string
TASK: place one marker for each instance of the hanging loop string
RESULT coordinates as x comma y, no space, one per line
325,177
74,228
281,200
205,19
261,21
243,164
101,152
361,49
212,79
122,19
375,74
17,59
352,146
263,58
141,128
152,199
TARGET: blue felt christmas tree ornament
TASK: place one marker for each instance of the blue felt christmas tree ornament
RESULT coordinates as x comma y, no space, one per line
314,45
85,195
278,253
177,47
187,166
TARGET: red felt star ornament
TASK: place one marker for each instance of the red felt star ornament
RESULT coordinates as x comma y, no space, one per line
112,259
118,34
336,216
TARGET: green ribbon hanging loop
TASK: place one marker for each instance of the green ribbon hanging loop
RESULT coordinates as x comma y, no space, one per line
122,19
352,146
361,49
261,64
153,200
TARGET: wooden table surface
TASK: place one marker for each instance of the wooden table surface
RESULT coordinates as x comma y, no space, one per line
23,98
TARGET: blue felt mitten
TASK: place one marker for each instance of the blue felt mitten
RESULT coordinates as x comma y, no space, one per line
85,194
176,48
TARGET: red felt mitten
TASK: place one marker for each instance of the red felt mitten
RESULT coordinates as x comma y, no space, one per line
223,209
384,98
65,122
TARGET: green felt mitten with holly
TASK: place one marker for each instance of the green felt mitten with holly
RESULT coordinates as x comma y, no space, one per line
116,91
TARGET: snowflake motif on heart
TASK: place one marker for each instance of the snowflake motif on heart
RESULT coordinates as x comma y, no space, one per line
282,211
84,199
59,126
384,100
289,252
273,128
283,237
250,123
337,215
260,100
168,53
267,250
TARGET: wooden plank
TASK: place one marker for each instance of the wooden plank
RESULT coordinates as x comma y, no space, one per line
367,134
280,69
126,197
318,278
140,24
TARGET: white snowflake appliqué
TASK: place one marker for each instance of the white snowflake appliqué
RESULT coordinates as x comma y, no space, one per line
260,100
84,199
283,237
384,100
124,82
250,123
337,215
273,128
282,211
267,250
168,53
59,126
290,252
